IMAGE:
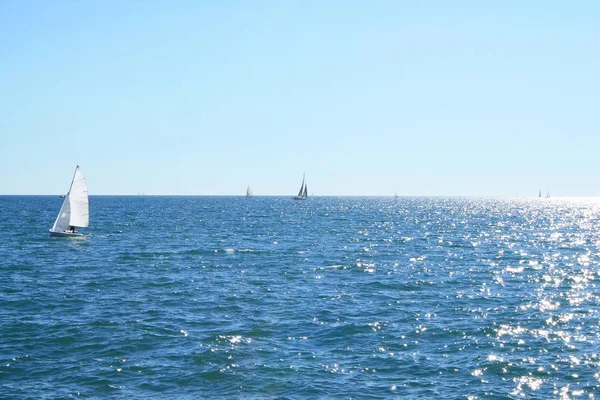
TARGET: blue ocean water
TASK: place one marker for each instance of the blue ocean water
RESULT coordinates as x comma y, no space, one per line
265,297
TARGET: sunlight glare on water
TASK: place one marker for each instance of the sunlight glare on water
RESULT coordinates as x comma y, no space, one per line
331,297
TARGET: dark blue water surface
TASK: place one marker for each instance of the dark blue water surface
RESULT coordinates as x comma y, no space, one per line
266,297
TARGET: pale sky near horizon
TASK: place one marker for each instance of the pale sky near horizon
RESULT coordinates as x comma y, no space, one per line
471,98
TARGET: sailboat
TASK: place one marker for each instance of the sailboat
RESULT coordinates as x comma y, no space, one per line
540,193
303,193
75,210
249,192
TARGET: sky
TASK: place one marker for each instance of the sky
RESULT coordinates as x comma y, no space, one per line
461,98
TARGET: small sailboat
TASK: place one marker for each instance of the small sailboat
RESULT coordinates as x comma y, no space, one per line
548,195
249,192
540,193
75,210
303,193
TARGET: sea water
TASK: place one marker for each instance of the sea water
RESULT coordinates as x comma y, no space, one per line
333,297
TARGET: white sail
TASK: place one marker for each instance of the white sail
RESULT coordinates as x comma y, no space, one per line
248,192
64,216
80,206
303,192
75,209
301,188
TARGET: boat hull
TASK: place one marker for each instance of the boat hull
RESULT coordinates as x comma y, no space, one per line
299,198
65,234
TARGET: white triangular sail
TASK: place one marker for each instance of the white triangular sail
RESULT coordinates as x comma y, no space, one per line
64,216
249,192
301,192
80,206
75,210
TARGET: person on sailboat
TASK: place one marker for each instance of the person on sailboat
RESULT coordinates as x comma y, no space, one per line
72,229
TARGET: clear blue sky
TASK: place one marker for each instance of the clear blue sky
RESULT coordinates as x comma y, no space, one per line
367,98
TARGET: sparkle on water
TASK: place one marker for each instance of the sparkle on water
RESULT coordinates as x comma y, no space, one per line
333,297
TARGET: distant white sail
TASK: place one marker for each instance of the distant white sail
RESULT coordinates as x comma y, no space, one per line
75,210
303,192
249,192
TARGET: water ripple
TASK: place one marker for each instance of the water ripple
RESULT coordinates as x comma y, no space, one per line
226,297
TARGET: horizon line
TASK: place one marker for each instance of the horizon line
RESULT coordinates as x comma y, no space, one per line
288,195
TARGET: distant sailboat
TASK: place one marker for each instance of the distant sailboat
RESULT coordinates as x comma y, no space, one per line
548,195
75,209
303,193
249,192
540,193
